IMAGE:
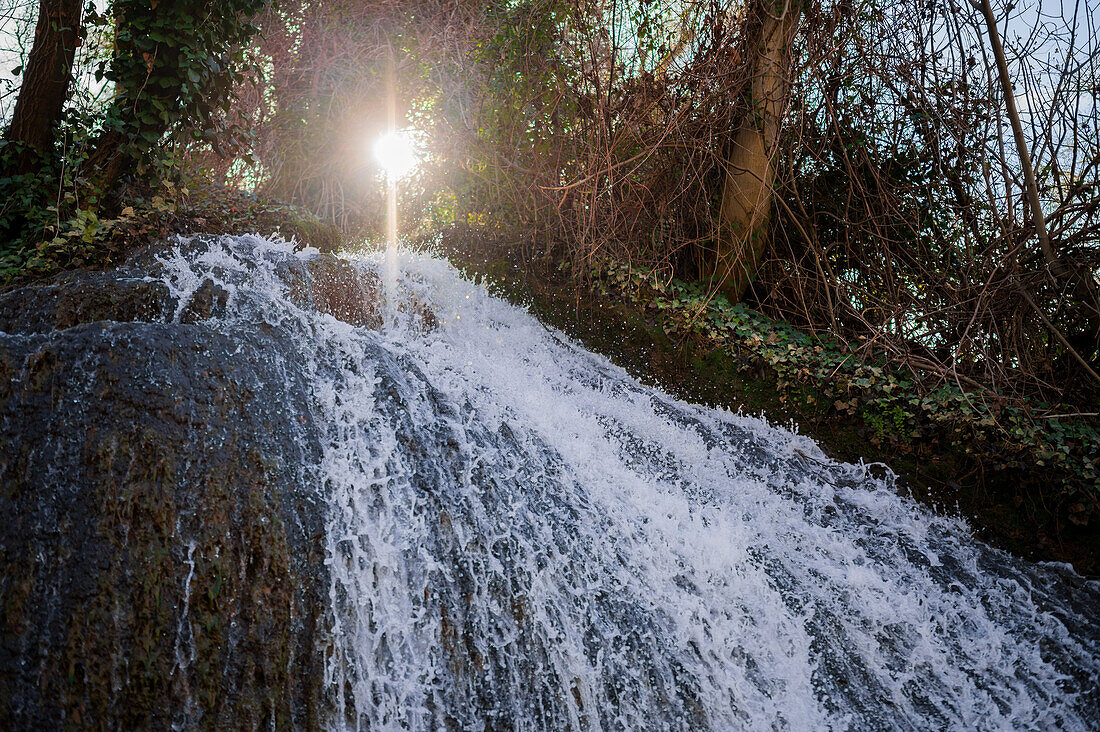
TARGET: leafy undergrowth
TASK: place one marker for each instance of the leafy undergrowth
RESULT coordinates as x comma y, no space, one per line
900,409
87,239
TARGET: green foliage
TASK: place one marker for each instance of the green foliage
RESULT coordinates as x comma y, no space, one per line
175,67
86,239
172,68
74,233
24,199
896,406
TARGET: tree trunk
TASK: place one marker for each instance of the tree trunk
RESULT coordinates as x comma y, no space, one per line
46,79
107,163
750,175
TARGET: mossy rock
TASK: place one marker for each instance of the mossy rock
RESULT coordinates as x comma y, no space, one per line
81,297
309,230
162,548
337,288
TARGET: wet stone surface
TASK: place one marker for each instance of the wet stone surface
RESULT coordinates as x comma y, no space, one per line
162,542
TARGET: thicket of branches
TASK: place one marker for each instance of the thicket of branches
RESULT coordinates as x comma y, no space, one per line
905,215
601,129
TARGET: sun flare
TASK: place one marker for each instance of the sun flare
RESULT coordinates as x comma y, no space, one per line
394,151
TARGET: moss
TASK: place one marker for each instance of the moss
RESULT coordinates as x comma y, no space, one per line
304,227
125,654
151,577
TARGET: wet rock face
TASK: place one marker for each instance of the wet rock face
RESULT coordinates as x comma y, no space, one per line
84,298
161,547
337,288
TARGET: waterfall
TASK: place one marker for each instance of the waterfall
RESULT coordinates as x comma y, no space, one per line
522,536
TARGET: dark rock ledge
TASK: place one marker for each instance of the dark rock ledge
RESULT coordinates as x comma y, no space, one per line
161,527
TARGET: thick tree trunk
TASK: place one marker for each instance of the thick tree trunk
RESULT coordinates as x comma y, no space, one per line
46,79
747,193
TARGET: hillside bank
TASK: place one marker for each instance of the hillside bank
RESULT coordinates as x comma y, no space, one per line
1010,504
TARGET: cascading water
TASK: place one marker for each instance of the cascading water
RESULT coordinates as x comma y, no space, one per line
521,536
